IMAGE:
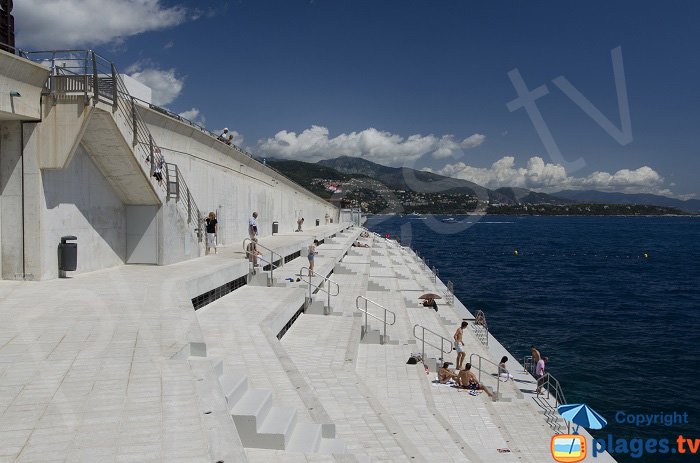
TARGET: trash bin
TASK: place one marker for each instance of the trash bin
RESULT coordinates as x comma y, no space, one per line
68,254
275,227
318,221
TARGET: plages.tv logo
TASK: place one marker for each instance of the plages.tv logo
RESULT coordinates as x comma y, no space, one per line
571,448
568,448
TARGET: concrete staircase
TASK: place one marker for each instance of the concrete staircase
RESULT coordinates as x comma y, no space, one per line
317,305
261,424
375,336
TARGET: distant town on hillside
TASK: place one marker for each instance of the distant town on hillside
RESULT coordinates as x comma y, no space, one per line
377,189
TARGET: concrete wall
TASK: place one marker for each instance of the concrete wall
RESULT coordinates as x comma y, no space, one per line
25,77
78,200
61,173
10,198
226,181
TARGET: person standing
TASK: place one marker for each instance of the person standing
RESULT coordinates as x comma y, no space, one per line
459,344
212,232
539,373
253,226
300,223
311,256
535,356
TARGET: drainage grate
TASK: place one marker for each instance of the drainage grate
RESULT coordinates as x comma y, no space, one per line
289,324
217,293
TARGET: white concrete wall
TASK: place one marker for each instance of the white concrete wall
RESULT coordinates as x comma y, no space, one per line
223,180
11,198
26,78
78,200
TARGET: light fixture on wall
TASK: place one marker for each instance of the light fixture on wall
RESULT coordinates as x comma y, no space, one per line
15,93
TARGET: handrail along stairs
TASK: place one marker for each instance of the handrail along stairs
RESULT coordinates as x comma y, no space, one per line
367,314
328,291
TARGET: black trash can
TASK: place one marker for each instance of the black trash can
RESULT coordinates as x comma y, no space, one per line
68,254
275,227
318,221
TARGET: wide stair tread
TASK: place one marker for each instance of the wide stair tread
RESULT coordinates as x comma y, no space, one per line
329,446
305,438
233,386
255,402
279,420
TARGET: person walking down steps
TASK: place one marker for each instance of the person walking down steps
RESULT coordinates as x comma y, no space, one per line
212,232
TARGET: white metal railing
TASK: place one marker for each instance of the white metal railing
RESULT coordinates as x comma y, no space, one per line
479,369
367,314
328,289
450,294
250,254
480,327
443,341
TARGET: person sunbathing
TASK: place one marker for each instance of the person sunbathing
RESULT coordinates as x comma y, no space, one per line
430,303
445,374
467,379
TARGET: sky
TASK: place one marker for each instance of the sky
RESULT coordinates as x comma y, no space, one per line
542,95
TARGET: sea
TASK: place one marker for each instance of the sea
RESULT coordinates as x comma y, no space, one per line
614,302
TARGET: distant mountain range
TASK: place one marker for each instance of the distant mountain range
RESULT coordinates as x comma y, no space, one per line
407,179
600,197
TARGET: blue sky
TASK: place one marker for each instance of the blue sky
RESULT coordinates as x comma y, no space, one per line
415,83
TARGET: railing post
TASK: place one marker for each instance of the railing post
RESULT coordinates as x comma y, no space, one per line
115,94
423,338
133,122
328,308
189,207
384,335
366,320
95,87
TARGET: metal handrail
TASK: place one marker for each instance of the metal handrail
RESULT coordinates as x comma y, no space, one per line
273,266
327,309
367,314
498,378
86,72
553,388
450,295
482,333
177,188
443,340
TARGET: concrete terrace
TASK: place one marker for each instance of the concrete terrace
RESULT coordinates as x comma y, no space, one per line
117,366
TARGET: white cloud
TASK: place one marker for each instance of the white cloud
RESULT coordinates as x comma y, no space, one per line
194,115
165,84
314,144
57,24
540,176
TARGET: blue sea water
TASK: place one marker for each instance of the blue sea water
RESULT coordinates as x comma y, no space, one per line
621,330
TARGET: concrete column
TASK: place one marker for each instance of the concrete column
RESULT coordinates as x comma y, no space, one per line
33,204
11,199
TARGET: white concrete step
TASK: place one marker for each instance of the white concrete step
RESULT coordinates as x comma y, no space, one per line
234,386
305,438
277,427
249,413
329,446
